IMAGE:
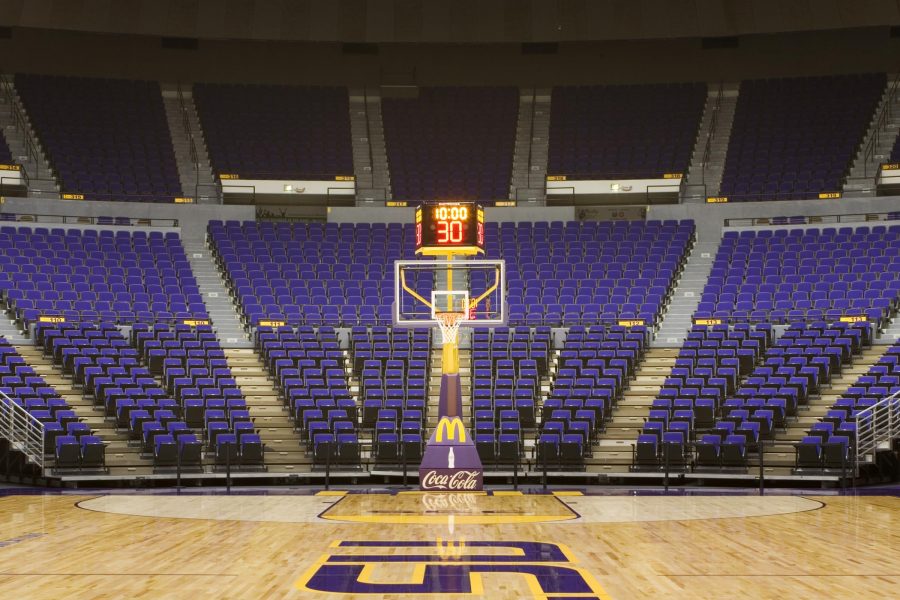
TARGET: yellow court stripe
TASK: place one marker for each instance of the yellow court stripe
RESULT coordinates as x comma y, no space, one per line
331,493
568,493
507,493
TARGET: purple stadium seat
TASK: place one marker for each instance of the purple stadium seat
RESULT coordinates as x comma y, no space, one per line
795,138
451,143
106,139
276,131
624,132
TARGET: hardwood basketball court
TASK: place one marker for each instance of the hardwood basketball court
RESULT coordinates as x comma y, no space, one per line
500,544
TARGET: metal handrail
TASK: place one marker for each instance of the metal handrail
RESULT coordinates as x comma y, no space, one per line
811,219
251,193
335,191
267,215
86,220
700,191
186,123
881,123
21,123
215,186
522,194
615,176
368,133
569,189
282,176
711,134
14,182
23,431
875,425
375,197
270,216
556,195
85,316
531,133
543,176
812,315
662,188
195,154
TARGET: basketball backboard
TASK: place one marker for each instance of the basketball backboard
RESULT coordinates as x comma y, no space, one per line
423,289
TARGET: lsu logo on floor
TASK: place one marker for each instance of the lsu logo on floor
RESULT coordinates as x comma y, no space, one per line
450,567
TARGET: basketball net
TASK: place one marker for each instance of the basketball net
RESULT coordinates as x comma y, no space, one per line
449,323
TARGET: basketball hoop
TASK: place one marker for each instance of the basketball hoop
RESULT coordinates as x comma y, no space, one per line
449,323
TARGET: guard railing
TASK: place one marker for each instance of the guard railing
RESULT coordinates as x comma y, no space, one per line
24,432
876,427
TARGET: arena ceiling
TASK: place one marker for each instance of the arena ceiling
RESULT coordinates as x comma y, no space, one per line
444,21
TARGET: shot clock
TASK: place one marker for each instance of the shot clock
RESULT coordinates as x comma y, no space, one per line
450,228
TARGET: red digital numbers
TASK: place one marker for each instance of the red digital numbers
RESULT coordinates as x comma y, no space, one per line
453,213
449,232
448,227
449,223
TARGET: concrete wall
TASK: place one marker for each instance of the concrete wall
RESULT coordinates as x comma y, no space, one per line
192,218
710,218
406,215
93,227
622,187
276,186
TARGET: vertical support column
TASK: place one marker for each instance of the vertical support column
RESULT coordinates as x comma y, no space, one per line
450,359
449,285
450,353
450,461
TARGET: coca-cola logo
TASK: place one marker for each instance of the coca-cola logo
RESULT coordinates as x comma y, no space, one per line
458,481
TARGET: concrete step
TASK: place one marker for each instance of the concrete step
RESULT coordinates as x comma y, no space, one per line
267,409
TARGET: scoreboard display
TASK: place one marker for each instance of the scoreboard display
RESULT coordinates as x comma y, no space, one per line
450,228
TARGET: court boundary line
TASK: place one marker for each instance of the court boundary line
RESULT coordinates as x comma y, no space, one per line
576,519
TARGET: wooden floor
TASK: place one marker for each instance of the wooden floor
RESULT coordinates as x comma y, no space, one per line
503,545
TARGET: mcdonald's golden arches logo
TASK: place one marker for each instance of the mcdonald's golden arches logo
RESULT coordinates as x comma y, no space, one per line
450,428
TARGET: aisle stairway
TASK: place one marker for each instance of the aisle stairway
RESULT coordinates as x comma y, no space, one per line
23,144
522,150
194,167
612,452
891,332
121,458
710,173
530,153
434,387
686,296
862,178
362,152
694,189
381,175
221,307
779,457
10,329
284,450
